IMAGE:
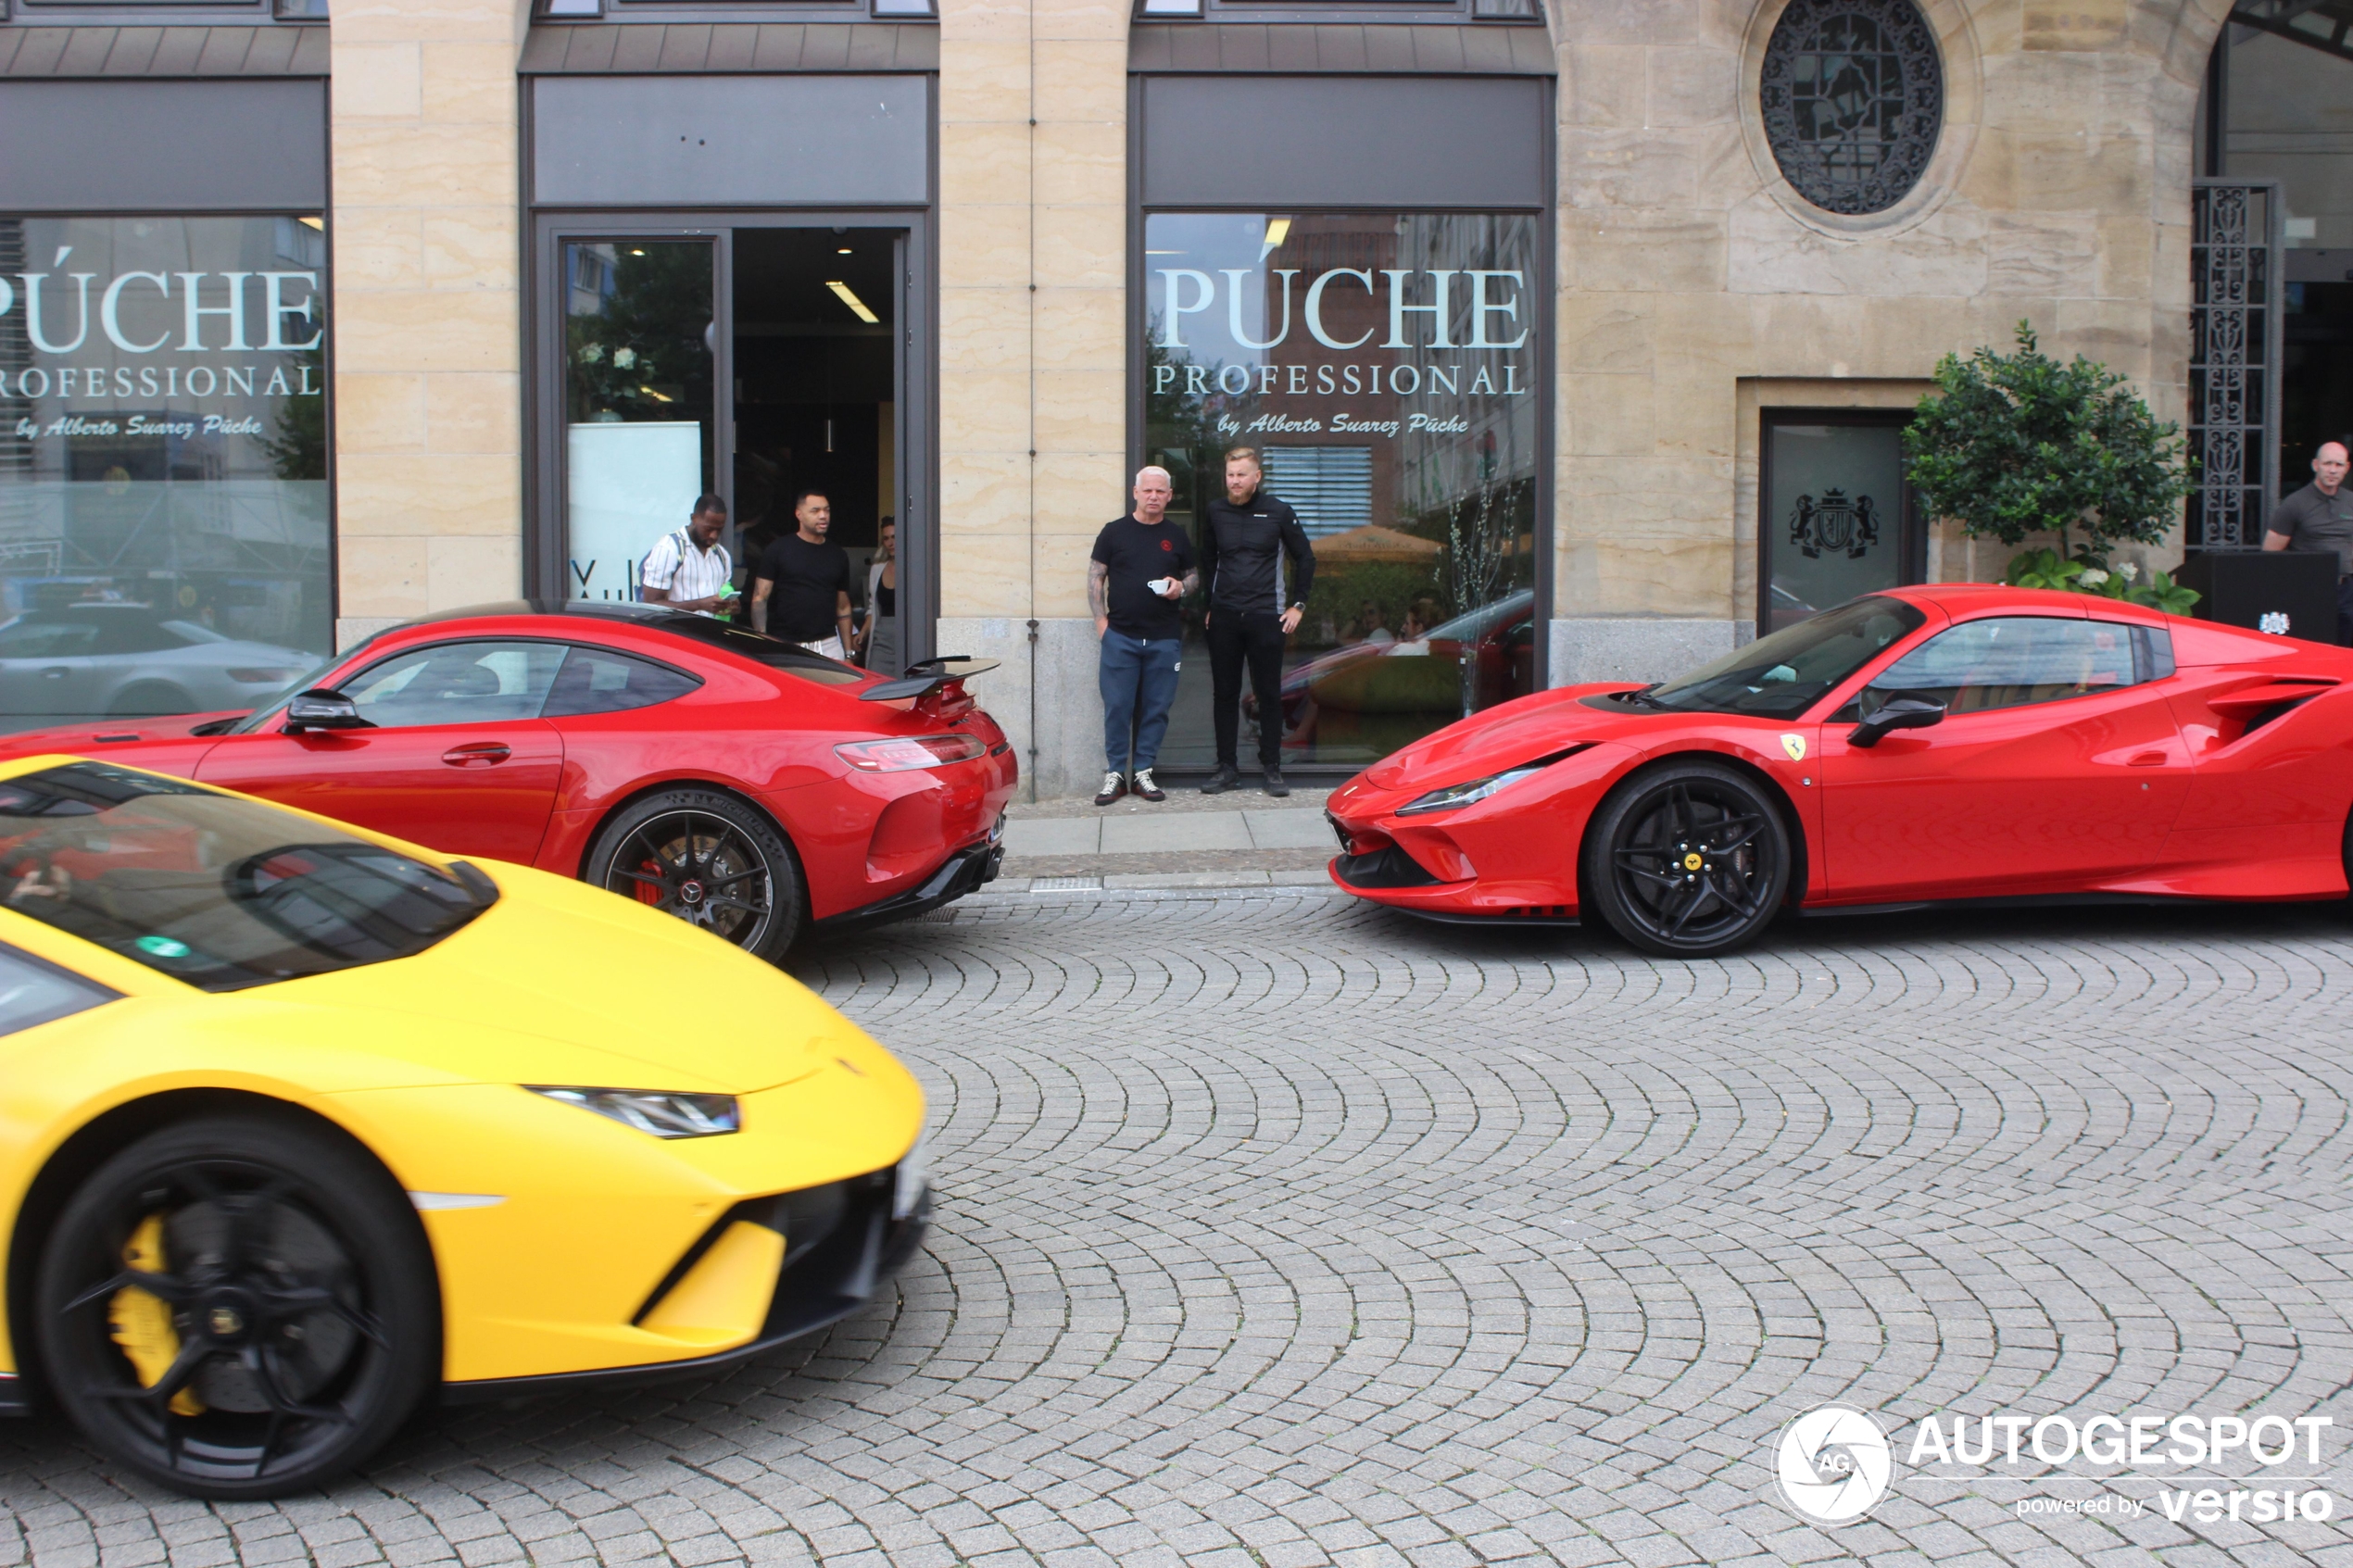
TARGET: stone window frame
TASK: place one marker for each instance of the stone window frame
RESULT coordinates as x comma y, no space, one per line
1964,114
163,13
721,13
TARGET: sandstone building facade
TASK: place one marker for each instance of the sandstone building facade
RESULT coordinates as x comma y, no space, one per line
1579,331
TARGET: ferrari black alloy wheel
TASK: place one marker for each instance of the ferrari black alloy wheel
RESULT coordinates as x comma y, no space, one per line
1688,859
708,859
238,1307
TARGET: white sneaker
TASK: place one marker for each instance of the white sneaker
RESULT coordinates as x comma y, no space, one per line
1144,787
1115,785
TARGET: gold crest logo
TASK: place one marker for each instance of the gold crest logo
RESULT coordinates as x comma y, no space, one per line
1795,746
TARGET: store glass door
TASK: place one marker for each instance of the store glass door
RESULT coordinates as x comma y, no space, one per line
754,360
1836,520
640,401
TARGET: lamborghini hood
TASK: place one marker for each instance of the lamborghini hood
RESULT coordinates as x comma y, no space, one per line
561,983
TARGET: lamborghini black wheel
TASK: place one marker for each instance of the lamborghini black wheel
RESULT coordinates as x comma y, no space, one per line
238,1307
1688,859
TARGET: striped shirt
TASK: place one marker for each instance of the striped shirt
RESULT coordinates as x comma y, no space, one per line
688,573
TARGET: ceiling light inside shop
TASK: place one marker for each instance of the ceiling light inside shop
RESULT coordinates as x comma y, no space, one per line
857,305
657,397
318,223
637,252
1278,230
843,251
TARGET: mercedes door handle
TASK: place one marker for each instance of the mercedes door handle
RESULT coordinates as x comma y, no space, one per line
476,754
57,672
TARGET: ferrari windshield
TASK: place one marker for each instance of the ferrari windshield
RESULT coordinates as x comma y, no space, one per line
219,892
1783,675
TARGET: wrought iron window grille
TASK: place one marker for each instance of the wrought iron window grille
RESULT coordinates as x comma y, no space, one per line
1853,94
2235,361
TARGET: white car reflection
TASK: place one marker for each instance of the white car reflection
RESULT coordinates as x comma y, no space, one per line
126,661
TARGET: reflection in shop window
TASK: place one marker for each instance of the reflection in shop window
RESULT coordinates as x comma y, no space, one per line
1386,366
164,516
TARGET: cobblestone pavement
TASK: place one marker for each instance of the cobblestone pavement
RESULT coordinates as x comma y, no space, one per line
1279,1231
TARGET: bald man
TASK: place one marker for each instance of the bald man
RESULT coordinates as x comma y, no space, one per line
1142,567
2320,518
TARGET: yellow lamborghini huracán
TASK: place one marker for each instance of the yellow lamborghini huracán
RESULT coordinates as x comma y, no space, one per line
301,1126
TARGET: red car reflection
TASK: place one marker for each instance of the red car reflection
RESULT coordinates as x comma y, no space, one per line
1376,696
738,782
1921,745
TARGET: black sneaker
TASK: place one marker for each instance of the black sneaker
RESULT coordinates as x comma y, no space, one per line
1145,788
1227,777
1274,785
1115,785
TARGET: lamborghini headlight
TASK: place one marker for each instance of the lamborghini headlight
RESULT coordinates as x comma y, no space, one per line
650,1110
914,1176
1454,797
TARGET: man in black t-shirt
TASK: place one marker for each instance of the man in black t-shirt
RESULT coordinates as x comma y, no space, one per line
1142,566
800,589
2319,519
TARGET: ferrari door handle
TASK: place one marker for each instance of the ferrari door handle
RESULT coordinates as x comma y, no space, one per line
2146,760
480,753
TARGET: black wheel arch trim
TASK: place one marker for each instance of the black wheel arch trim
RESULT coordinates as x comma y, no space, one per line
89,1147
1791,822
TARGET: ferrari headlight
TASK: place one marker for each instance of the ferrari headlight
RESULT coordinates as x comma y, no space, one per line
650,1111
914,1176
1454,797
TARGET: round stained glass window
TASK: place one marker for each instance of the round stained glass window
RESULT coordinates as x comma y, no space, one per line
1854,97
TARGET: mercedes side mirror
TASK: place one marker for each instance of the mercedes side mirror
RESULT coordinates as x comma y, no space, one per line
320,709
1904,713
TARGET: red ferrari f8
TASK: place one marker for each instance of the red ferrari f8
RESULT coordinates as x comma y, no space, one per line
738,782
1918,746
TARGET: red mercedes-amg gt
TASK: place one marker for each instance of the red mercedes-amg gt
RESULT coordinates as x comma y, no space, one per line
1913,747
743,784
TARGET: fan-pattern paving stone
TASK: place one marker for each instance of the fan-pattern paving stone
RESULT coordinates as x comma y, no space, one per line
1276,1232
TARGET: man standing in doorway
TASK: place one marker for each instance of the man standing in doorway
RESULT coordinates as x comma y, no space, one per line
2320,518
1246,540
688,568
1142,566
801,590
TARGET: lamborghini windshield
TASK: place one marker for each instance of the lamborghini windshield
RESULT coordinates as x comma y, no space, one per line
1783,675
216,891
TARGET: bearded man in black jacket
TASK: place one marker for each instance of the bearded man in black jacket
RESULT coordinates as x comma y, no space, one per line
1255,558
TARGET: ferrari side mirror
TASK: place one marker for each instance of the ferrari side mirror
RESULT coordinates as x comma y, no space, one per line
320,709
1904,713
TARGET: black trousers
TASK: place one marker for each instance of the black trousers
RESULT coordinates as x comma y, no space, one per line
1254,637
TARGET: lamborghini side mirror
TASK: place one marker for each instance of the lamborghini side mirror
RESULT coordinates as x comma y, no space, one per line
320,709
1903,714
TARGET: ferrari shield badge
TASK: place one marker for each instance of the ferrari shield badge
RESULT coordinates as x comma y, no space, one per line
1795,746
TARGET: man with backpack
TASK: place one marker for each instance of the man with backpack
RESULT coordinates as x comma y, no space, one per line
688,568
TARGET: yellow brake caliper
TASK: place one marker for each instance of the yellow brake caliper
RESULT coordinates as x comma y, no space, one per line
142,1322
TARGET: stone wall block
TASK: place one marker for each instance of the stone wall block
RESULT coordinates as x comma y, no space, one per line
1691,86
2056,253
1638,167
1644,251
1774,254
1603,85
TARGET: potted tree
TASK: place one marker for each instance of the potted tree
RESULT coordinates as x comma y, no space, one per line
2019,445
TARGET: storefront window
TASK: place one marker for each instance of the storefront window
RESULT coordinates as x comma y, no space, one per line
164,514
1386,366
640,385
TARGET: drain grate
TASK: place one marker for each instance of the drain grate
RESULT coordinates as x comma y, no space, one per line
1065,884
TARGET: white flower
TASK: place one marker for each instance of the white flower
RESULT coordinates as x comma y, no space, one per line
2273,624
623,357
2092,576
2129,571
592,353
